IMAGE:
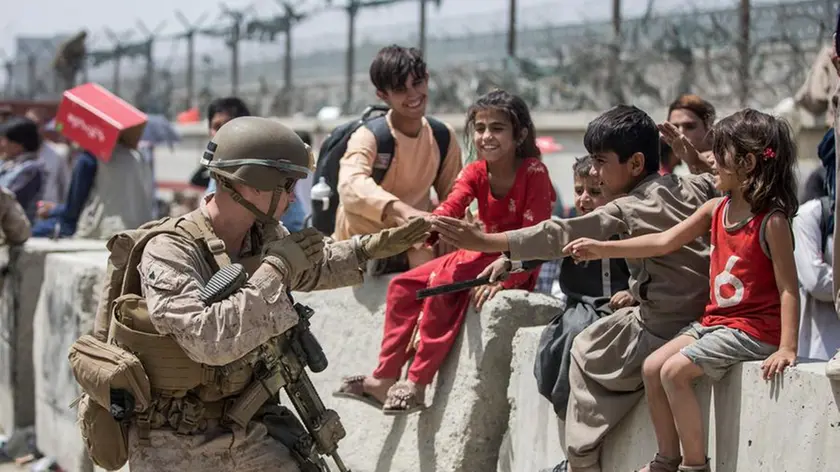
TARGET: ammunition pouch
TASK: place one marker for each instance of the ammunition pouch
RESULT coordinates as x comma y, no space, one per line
187,393
170,370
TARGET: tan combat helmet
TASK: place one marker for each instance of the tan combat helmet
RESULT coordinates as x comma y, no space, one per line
260,153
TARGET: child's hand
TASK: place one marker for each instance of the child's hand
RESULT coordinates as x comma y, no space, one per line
462,234
483,293
498,270
776,363
584,249
622,299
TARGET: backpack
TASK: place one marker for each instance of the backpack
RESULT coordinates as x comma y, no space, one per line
335,145
113,381
825,219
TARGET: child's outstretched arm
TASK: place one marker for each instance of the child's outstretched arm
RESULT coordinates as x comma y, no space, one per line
780,243
543,241
649,245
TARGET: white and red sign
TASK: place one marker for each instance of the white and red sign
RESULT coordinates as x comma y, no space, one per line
97,120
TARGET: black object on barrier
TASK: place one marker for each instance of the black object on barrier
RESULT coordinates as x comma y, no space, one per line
455,287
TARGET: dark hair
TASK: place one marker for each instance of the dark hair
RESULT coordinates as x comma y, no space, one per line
582,166
665,152
772,182
305,136
624,130
233,106
22,131
517,112
392,66
693,103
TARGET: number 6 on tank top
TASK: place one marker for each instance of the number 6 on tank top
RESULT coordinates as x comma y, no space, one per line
728,278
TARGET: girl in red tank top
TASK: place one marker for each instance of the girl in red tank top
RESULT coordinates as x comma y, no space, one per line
753,309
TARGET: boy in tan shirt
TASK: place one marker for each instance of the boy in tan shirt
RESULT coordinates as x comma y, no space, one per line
401,80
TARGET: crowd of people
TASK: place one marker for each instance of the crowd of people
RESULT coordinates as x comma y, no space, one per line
687,252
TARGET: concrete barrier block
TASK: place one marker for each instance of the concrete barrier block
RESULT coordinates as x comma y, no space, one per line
535,433
750,423
464,427
66,310
17,306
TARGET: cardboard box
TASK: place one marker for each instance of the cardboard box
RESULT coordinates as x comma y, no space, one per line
97,120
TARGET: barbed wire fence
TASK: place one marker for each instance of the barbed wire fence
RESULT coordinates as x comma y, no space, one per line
557,67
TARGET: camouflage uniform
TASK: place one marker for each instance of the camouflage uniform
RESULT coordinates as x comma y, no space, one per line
13,220
172,273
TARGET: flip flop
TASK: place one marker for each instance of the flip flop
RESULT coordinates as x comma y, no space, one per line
363,397
400,390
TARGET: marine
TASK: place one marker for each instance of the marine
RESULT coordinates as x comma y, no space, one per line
199,355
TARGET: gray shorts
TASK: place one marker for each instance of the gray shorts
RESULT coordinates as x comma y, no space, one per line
719,347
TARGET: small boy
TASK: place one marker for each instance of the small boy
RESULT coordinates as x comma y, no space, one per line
592,291
401,80
606,369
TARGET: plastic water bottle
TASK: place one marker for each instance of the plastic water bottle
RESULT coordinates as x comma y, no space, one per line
321,192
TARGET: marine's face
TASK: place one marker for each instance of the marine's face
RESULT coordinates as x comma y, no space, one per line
262,200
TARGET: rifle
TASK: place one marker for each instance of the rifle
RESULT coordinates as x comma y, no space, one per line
283,365
300,350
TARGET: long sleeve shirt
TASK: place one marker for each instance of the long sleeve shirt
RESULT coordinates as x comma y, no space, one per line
527,203
672,289
67,215
411,175
24,176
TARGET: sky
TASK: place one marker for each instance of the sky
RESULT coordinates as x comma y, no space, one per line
50,17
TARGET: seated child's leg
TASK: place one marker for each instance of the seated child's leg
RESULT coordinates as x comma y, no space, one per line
667,440
551,365
716,350
401,312
678,373
439,327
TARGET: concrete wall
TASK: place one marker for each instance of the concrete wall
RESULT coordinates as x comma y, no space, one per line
463,429
17,308
486,414
752,426
66,308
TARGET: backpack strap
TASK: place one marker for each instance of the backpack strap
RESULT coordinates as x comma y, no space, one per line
442,137
200,231
385,147
196,230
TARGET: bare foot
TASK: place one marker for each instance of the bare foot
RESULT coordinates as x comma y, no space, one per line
378,388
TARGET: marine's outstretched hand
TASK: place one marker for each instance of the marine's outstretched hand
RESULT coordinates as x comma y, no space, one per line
393,241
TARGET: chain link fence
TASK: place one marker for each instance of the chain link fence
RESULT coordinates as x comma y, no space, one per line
655,57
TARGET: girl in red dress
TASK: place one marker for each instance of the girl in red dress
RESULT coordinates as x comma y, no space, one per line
513,190
753,310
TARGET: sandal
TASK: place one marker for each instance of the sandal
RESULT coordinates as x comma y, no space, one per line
402,392
353,388
663,464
